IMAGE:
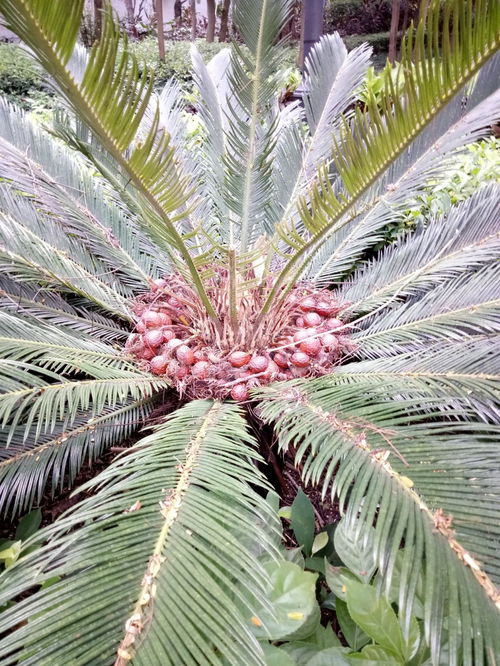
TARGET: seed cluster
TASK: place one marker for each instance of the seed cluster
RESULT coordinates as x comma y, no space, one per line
169,341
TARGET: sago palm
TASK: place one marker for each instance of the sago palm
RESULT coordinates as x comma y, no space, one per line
235,270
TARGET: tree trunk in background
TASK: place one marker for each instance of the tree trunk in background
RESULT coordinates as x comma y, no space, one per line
160,28
224,21
178,13
393,35
97,19
210,20
129,6
300,59
192,5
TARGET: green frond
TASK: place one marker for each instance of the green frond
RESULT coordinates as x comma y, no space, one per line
33,249
40,408
249,140
456,309
462,121
424,482
78,203
31,465
165,544
464,241
370,143
111,98
63,350
37,304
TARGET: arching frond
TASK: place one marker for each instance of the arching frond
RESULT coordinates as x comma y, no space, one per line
426,484
37,304
111,99
467,239
456,309
434,75
33,249
80,205
166,540
253,88
32,465
464,120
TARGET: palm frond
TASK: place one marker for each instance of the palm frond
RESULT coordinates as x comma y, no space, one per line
33,249
112,99
464,120
159,546
32,464
426,484
253,86
38,304
64,187
464,241
434,75
458,308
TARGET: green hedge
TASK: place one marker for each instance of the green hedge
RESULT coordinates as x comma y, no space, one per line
20,76
379,41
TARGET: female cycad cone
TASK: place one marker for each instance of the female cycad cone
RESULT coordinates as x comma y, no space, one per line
174,338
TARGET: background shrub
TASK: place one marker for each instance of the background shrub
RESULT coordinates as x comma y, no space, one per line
20,76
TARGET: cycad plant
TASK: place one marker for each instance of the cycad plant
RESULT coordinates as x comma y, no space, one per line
150,276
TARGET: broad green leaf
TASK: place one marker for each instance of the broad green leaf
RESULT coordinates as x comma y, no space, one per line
373,655
275,656
10,554
285,512
292,609
29,524
337,579
375,616
320,541
356,552
353,634
302,521
335,656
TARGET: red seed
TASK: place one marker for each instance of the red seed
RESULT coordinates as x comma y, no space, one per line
299,372
258,363
299,322
153,338
185,355
333,323
200,355
300,359
140,327
166,320
300,335
307,304
173,344
310,347
325,308
281,360
159,365
312,319
239,358
330,341
182,372
153,319
146,353
239,392
200,369
272,370
168,334
173,367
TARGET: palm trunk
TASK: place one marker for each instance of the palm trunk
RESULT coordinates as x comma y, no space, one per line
393,35
192,5
159,28
129,6
210,20
224,21
97,19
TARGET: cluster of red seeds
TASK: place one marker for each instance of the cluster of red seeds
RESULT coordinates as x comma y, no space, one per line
168,343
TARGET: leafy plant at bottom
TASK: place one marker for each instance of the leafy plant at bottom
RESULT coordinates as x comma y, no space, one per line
400,424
